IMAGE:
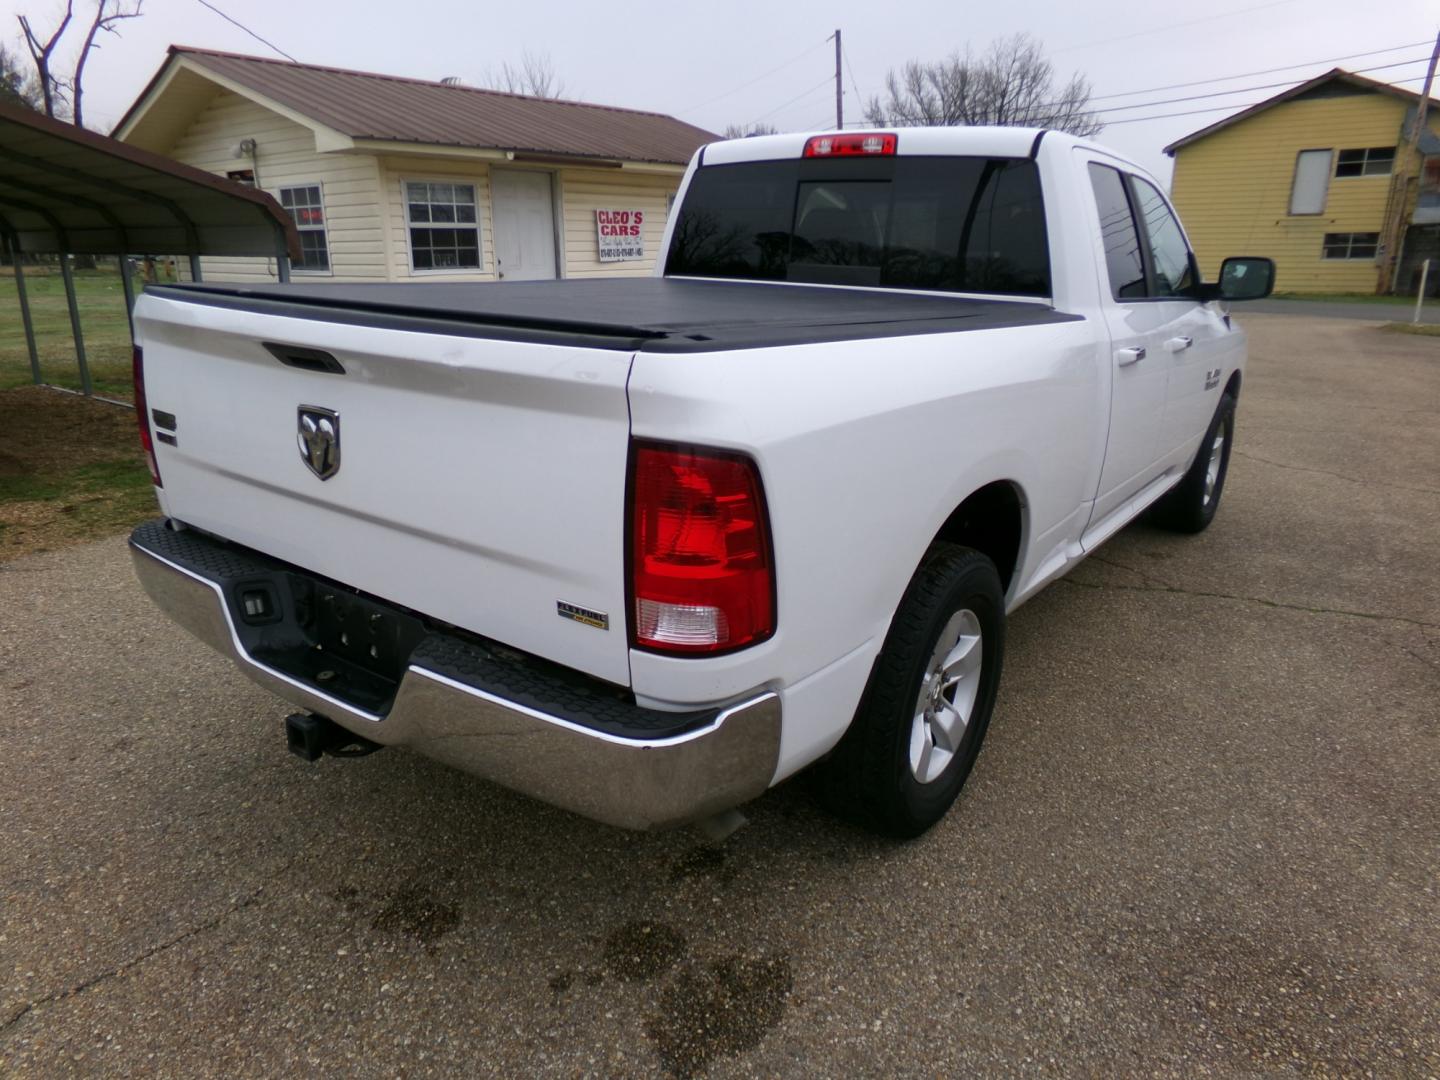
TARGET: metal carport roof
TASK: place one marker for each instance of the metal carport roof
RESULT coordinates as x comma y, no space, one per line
68,191
65,189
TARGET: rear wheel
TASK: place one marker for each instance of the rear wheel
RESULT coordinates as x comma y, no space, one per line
923,717
1191,504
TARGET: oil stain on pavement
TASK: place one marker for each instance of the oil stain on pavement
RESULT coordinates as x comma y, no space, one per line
722,1008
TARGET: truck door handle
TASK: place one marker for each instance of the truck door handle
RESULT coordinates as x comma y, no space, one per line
1126,357
1179,344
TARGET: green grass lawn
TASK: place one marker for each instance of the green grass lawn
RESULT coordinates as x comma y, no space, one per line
102,321
1420,329
1346,298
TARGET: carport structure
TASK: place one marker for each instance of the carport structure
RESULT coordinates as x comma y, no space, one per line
67,191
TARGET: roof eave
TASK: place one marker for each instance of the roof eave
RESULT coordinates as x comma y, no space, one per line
1334,74
532,154
326,137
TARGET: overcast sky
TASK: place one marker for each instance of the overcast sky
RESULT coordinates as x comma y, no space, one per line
768,60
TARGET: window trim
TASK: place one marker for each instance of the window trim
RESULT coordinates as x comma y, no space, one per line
444,271
1365,160
318,185
1295,176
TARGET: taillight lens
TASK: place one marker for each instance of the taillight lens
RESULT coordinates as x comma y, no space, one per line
857,145
142,414
701,563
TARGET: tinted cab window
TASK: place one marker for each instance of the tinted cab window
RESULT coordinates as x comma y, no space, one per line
1124,260
945,223
1174,268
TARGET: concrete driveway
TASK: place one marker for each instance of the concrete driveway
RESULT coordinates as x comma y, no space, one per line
1203,837
1342,309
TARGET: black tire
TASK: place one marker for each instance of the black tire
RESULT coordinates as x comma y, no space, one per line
1190,505
870,777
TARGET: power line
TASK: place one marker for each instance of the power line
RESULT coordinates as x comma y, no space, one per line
1250,74
1175,26
252,33
850,69
752,82
1237,90
823,82
1219,108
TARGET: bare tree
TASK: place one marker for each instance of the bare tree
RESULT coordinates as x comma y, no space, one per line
17,86
51,89
107,14
533,76
59,94
1011,85
744,131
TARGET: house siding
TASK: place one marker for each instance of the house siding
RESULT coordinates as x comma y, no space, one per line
581,192
364,200
1232,189
588,190
286,156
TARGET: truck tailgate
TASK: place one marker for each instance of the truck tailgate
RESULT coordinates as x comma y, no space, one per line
480,482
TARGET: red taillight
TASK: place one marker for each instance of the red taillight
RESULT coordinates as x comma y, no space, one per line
142,414
857,145
700,559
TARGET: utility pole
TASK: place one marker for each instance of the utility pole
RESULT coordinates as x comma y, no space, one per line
1394,235
840,86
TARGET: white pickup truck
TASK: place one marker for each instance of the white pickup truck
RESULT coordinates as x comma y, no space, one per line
644,548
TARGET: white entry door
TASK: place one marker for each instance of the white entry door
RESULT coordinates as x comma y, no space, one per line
524,208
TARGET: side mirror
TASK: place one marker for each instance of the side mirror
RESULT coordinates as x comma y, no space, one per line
1246,278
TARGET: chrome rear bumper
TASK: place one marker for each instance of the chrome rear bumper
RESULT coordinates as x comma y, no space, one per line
709,763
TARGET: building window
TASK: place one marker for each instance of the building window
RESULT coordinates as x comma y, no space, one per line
1350,245
1376,161
443,226
1311,183
306,209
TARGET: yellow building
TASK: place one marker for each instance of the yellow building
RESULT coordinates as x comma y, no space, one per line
397,179
1318,178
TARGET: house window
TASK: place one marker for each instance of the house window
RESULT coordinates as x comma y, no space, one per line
306,209
1350,245
1312,181
1376,161
443,225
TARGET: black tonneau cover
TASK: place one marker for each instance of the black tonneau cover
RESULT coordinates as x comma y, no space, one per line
653,314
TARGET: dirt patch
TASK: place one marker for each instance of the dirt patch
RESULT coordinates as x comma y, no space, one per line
70,471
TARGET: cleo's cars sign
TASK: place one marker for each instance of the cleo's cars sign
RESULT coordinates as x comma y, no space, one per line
620,237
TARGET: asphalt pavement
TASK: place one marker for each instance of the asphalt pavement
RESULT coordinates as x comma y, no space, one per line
1203,837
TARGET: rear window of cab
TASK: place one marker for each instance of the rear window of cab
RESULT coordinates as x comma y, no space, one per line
953,224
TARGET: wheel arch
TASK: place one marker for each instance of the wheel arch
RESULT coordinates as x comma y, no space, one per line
991,519
1233,386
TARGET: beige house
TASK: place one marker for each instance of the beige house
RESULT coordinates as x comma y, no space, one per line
394,179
